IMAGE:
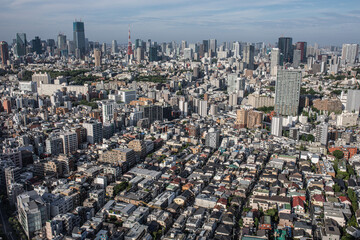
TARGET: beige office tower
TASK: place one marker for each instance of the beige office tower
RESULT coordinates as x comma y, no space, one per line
97,55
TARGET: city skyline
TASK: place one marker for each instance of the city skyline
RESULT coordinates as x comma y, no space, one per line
193,21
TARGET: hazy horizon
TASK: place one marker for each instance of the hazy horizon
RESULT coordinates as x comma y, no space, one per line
324,22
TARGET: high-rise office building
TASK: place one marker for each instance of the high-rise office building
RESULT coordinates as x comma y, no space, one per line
114,47
103,48
97,56
321,133
36,45
61,42
50,45
236,49
286,49
248,54
137,43
188,54
183,45
350,53
70,46
302,46
353,101
79,37
21,43
139,54
206,45
212,46
153,54
275,61
296,58
287,92
276,126
4,52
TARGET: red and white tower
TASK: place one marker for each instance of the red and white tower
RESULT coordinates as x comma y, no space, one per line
129,51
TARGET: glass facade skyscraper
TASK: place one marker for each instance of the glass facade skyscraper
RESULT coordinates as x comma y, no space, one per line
79,37
286,48
36,45
20,48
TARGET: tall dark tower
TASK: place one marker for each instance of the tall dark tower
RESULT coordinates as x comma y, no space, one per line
36,45
20,48
4,51
79,38
286,48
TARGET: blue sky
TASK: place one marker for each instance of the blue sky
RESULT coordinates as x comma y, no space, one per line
323,21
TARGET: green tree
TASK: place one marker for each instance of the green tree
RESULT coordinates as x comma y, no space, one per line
336,188
352,222
353,198
338,154
350,170
256,222
120,187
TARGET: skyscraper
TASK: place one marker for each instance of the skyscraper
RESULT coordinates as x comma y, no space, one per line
61,42
4,52
350,53
79,37
97,56
114,47
137,43
36,45
213,46
206,45
103,48
286,48
183,45
287,92
296,58
302,46
139,54
236,49
275,61
153,54
248,55
20,48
